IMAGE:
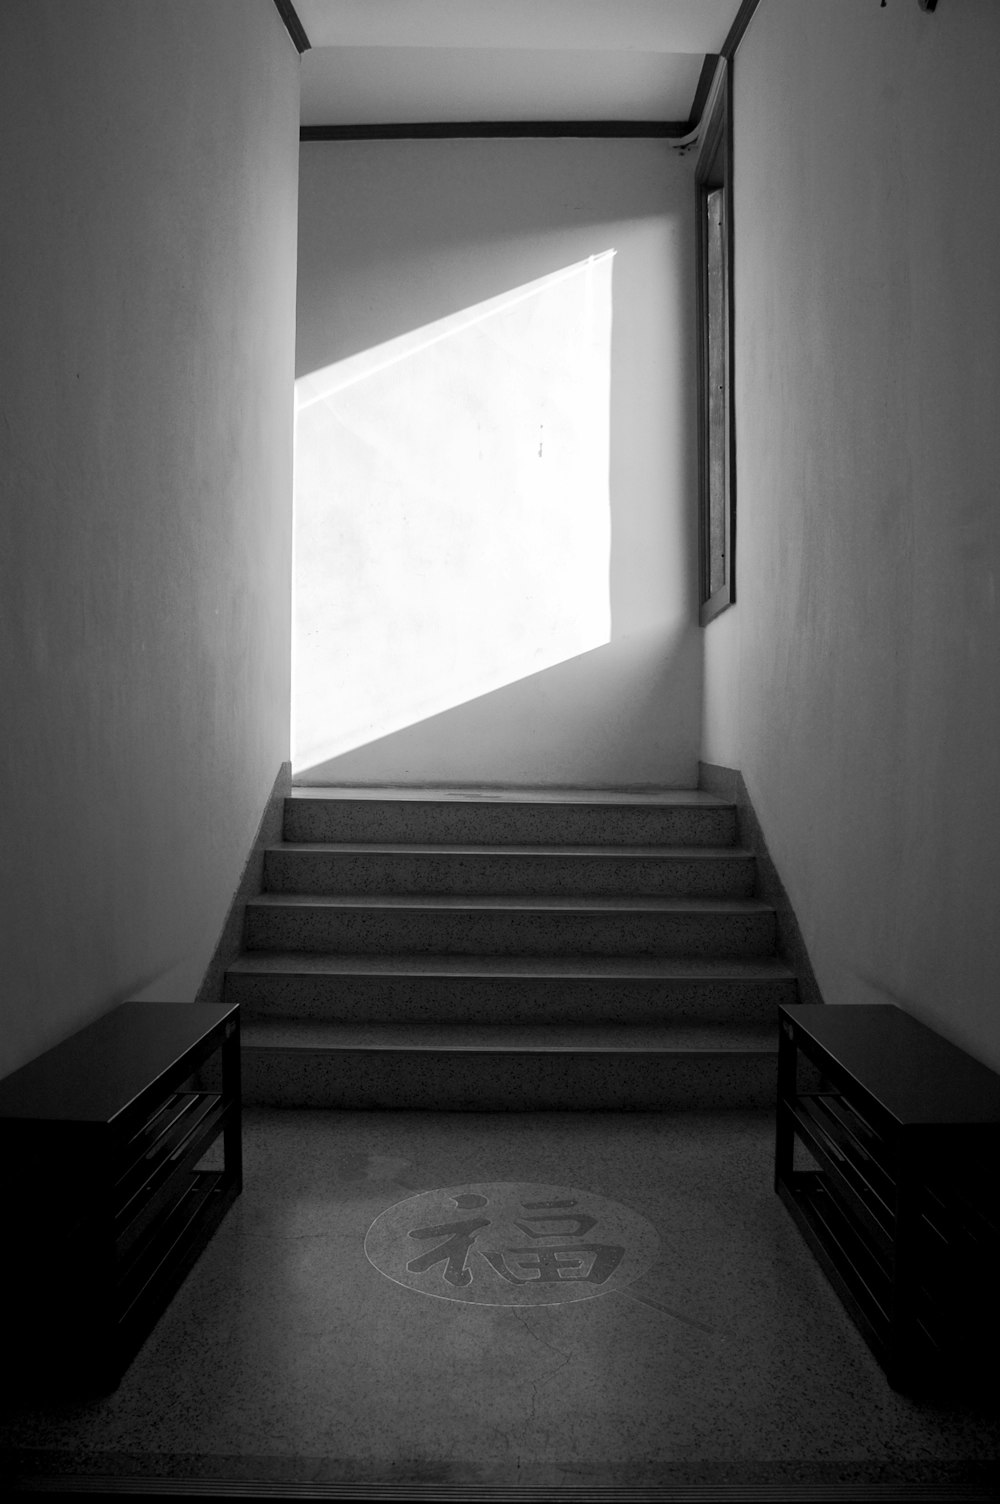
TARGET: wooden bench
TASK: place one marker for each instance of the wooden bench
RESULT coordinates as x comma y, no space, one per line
117,1168
887,1155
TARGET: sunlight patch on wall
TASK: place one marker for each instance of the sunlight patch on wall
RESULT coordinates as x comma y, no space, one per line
452,515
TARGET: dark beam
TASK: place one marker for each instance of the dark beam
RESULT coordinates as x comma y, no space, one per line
286,10
701,93
442,129
740,23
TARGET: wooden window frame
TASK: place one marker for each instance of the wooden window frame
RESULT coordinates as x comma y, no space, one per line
716,507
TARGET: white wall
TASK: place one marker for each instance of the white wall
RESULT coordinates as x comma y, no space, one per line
856,682
394,236
147,237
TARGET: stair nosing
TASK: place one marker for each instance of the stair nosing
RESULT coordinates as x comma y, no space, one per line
507,1039
529,967
532,903
518,798
426,848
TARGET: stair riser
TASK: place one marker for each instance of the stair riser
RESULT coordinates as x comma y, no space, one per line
506,1000
592,876
503,824
509,1082
506,932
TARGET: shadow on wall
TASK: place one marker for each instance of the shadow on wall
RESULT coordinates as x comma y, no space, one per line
396,235
452,527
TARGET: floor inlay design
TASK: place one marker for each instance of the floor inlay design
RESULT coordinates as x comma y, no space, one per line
511,1243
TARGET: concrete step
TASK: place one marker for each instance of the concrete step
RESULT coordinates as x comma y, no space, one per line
510,926
508,989
474,1068
367,867
685,817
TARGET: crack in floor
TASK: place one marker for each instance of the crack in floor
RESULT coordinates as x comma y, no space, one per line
658,1305
538,1384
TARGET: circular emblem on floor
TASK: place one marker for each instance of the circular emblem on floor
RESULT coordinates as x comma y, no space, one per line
511,1243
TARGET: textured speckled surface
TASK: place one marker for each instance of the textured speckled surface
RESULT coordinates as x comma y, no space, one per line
685,818
509,989
691,872
287,1355
511,926
512,1067
437,914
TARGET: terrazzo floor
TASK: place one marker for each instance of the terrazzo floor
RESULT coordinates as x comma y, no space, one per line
673,1329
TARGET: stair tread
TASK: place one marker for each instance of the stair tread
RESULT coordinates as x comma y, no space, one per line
662,968
403,848
531,903
569,1038
668,798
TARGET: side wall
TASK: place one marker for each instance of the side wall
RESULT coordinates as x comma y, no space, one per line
148,183
396,235
855,683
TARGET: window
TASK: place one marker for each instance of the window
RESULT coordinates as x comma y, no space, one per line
717,434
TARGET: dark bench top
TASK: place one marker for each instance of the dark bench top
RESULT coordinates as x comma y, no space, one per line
919,1078
97,1073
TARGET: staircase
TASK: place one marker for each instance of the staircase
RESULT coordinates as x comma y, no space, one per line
480,951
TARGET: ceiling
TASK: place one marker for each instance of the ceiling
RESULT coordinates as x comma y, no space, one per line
417,61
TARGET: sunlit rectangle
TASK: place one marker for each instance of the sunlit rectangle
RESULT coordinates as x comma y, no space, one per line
452,522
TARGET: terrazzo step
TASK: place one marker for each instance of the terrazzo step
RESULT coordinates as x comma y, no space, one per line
472,1068
686,817
510,926
366,867
509,989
